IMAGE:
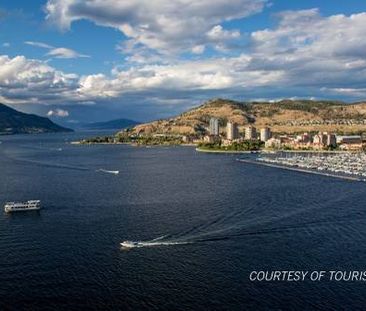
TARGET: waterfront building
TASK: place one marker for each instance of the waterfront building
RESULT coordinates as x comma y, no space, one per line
250,132
319,140
188,139
353,139
331,140
353,142
324,139
232,131
305,138
274,143
265,134
214,127
211,139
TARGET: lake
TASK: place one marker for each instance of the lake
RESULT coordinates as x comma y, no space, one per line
209,219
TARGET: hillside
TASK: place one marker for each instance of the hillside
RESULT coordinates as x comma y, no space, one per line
287,116
113,124
16,122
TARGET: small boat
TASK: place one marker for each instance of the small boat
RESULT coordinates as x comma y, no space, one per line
31,205
108,172
129,244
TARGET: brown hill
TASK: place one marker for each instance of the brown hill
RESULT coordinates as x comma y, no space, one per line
287,116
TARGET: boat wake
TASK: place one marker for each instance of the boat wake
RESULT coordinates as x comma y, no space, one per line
51,165
107,171
139,244
233,227
59,165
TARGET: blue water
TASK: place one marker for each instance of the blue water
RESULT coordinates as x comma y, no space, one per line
223,218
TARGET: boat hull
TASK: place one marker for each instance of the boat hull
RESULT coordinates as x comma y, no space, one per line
17,209
32,205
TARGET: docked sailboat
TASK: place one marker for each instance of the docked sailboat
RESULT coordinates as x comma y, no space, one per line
31,205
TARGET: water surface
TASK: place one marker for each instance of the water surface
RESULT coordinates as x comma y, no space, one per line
222,218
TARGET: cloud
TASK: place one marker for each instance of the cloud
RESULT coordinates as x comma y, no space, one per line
304,54
39,44
313,50
58,113
167,26
6,44
198,49
56,52
218,33
25,80
65,53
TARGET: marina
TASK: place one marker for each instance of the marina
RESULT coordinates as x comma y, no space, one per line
342,163
325,168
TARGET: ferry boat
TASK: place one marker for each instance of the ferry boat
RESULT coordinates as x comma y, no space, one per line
31,205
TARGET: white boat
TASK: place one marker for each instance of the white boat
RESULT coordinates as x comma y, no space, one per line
32,205
108,172
129,244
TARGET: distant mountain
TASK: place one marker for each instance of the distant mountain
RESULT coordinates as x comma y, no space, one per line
286,116
16,122
113,124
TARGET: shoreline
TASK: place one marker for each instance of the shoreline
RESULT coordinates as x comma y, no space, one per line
227,151
81,143
198,149
129,144
271,151
350,178
313,151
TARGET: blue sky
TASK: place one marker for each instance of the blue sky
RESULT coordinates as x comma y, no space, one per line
80,61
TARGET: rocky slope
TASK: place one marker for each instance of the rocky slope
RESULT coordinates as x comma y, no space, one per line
287,116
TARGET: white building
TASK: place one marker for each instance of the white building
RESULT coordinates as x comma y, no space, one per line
232,131
265,134
274,143
250,132
214,127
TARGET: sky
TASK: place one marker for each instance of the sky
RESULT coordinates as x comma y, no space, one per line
79,61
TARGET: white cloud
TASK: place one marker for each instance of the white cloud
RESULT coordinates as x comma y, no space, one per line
58,113
56,52
358,92
200,75
314,50
6,44
198,49
65,53
39,44
33,81
305,54
218,33
167,26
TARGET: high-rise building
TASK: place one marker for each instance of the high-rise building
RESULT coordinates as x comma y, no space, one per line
232,131
214,127
331,140
250,132
265,134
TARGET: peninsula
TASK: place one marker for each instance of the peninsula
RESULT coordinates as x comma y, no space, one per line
228,125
